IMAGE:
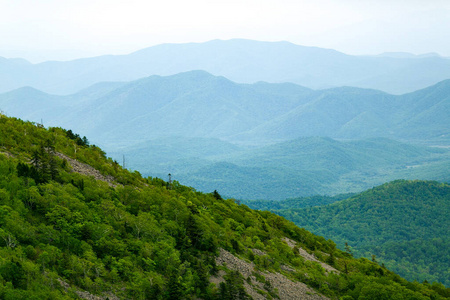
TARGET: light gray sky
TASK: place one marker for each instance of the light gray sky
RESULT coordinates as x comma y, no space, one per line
41,30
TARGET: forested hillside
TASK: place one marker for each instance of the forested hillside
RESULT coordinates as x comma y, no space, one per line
404,224
74,223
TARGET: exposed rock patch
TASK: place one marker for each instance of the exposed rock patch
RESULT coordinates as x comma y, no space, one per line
258,252
309,257
7,154
86,295
287,289
87,170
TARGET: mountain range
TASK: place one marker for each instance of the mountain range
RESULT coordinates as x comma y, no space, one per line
243,61
213,133
198,104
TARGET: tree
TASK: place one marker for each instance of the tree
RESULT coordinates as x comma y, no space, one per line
174,287
217,195
233,287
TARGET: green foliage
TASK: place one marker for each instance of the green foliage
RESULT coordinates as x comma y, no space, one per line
142,240
301,202
76,137
233,287
301,167
404,223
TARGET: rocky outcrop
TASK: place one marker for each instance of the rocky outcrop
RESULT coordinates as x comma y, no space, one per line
87,170
287,289
309,257
86,295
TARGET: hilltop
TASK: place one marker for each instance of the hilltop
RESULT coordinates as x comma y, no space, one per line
115,234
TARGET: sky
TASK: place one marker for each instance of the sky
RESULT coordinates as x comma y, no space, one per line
40,30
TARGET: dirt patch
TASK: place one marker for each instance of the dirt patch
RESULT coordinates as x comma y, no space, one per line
287,289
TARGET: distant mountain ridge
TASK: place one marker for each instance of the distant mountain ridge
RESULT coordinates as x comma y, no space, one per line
243,61
198,104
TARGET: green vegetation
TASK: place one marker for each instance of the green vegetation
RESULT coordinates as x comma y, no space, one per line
304,167
301,202
143,239
405,224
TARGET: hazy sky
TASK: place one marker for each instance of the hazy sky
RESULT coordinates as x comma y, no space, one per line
64,29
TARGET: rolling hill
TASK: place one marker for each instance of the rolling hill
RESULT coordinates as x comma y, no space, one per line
243,61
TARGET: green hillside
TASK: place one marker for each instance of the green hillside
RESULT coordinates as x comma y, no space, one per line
69,231
405,224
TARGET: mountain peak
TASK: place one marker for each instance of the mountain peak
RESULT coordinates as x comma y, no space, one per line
27,91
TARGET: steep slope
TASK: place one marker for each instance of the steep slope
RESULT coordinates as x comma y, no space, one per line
65,235
404,223
243,61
